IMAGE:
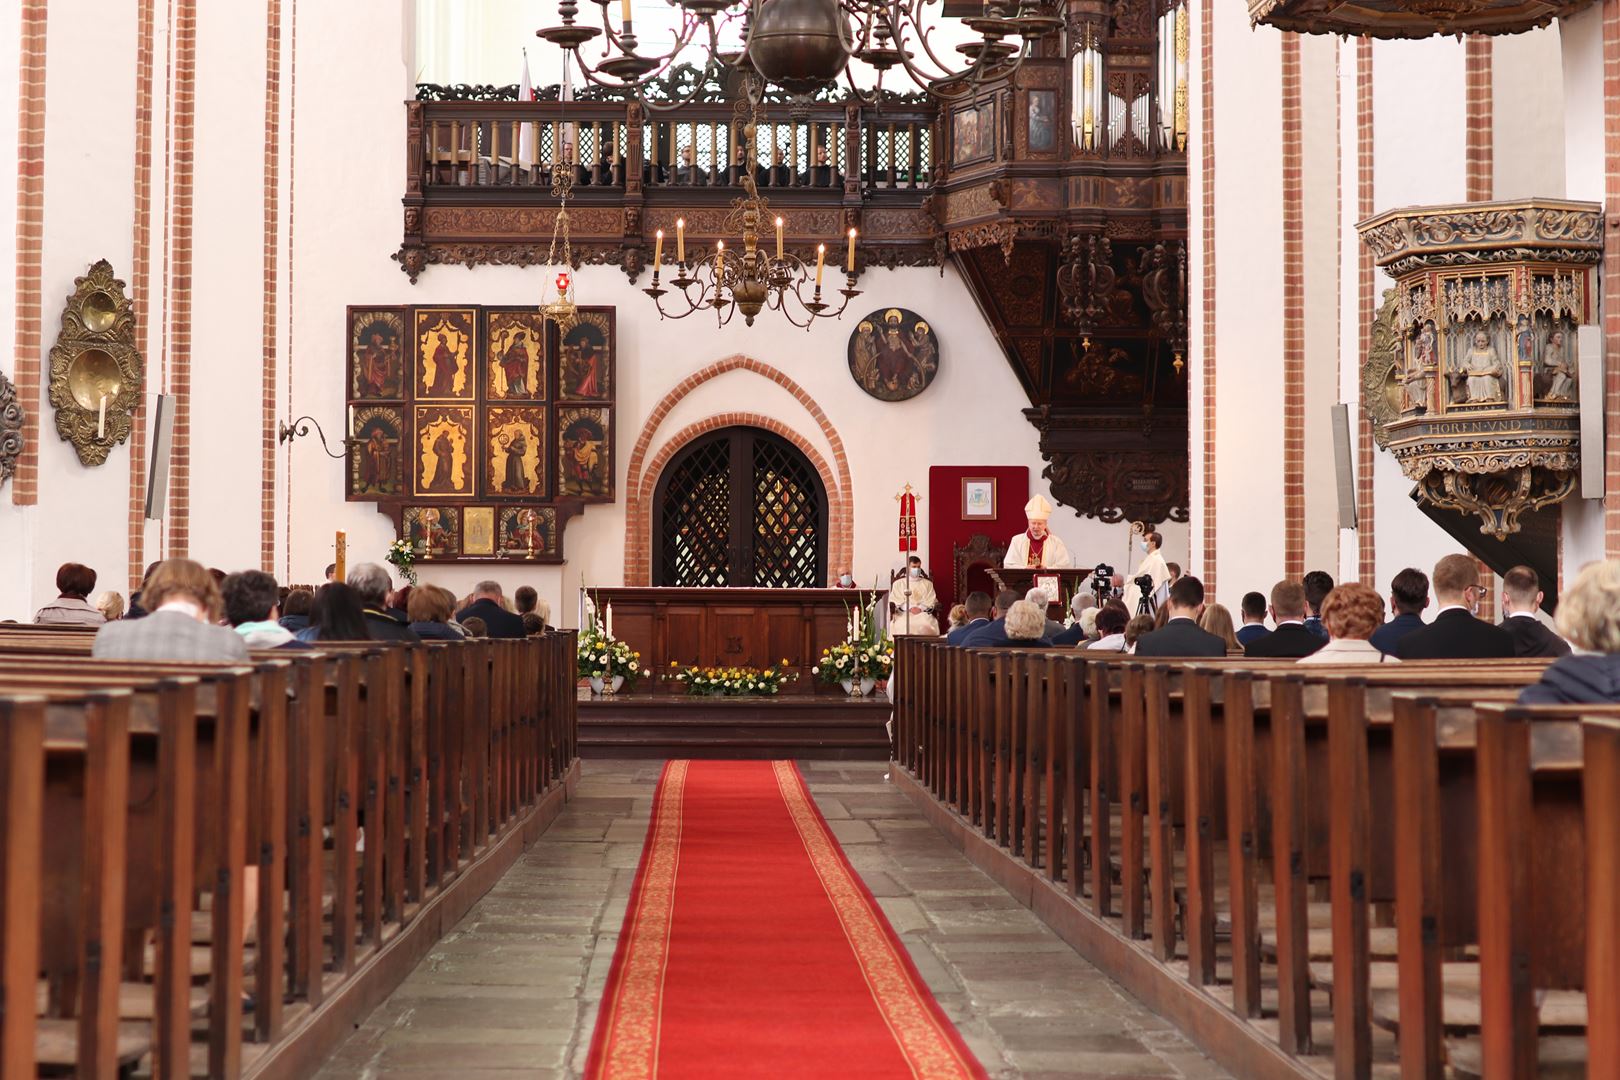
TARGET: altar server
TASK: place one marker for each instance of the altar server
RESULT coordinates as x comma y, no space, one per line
913,604
1035,546
1153,566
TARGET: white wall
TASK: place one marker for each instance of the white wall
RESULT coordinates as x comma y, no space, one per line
348,220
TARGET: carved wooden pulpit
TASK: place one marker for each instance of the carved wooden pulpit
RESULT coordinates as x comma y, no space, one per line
1069,581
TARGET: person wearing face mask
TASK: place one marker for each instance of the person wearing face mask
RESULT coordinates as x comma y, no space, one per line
913,604
1456,633
1036,546
1154,566
842,579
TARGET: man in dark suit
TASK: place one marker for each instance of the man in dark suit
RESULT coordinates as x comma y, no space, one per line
1318,583
994,633
1408,596
1292,639
978,614
1456,633
1521,597
1254,620
1181,635
486,605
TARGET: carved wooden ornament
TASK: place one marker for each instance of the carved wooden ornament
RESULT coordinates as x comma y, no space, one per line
11,428
96,370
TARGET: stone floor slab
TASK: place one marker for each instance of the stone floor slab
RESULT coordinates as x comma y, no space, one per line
513,992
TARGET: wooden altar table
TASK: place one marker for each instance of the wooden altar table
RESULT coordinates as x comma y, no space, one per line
731,628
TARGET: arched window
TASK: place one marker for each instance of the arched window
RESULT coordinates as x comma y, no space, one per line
740,507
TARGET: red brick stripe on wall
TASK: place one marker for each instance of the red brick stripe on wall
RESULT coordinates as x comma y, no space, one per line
292,297
1293,302
1611,276
1206,35
1366,558
30,239
641,477
140,282
272,222
1479,149
183,125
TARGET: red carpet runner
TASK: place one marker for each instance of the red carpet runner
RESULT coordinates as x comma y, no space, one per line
751,948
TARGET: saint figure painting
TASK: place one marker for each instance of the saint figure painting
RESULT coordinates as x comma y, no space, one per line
585,454
376,354
515,356
587,351
444,349
514,441
443,439
893,354
374,455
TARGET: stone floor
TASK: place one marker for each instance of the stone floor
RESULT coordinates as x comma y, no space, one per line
513,991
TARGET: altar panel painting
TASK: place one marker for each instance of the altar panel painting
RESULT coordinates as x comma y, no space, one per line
445,346
528,529
585,371
514,356
444,441
515,457
376,454
585,454
434,531
377,354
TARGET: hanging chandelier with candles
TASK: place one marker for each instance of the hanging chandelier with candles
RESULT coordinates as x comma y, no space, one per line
806,45
558,306
749,280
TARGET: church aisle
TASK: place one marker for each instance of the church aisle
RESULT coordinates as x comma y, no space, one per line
514,990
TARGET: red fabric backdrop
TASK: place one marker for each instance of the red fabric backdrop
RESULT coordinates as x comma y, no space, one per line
946,528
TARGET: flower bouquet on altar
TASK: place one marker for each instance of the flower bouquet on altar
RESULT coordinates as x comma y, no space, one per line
609,664
732,681
402,556
865,656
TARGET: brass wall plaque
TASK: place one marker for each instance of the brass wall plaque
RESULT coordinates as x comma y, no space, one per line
96,370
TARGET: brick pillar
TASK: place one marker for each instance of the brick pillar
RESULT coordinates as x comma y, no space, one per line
1366,301
1293,358
140,283
1206,46
30,237
1479,154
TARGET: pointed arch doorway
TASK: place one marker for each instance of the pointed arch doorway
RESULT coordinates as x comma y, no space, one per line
743,508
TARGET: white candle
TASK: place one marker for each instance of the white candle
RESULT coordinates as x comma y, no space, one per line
608,619
101,418
680,240
821,259
778,238
658,249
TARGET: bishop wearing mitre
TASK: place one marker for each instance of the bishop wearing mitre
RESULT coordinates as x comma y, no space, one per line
1035,547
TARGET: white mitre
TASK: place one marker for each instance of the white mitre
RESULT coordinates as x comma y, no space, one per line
1038,509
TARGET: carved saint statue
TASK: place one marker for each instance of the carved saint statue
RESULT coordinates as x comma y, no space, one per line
1556,362
1420,368
1483,370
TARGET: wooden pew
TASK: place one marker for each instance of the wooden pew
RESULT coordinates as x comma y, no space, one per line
407,708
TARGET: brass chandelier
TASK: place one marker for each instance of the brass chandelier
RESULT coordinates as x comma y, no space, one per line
805,45
749,280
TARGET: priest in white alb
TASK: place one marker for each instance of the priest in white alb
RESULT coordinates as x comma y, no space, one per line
1152,566
1035,547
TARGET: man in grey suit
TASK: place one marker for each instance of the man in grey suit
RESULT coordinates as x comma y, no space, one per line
184,603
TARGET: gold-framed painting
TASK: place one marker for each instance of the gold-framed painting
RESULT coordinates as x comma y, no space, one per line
433,531
478,530
585,358
444,341
376,453
514,452
377,354
528,531
443,450
515,355
585,453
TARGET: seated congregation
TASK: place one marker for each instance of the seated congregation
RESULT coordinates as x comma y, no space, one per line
1365,844
231,813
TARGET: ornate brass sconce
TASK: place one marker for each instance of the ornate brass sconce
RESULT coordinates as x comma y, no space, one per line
96,370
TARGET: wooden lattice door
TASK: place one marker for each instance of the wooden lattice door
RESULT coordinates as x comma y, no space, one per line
740,508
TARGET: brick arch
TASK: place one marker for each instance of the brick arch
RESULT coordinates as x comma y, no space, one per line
642,477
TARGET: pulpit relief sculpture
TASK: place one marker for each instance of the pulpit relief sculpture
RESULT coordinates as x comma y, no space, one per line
1471,380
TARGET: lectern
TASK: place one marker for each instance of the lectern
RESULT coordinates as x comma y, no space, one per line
1068,582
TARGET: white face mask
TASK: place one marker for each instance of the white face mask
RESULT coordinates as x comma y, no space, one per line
846,580
916,571
1145,546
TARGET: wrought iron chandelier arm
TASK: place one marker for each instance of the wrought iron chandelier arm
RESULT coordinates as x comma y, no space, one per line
287,432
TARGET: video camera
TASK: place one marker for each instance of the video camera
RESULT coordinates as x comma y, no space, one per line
1102,583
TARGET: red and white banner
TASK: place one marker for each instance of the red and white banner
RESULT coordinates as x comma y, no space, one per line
908,522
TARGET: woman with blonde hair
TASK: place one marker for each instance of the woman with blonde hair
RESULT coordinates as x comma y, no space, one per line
1350,614
1589,618
1218,621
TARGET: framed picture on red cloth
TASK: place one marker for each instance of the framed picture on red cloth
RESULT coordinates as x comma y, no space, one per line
978,498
